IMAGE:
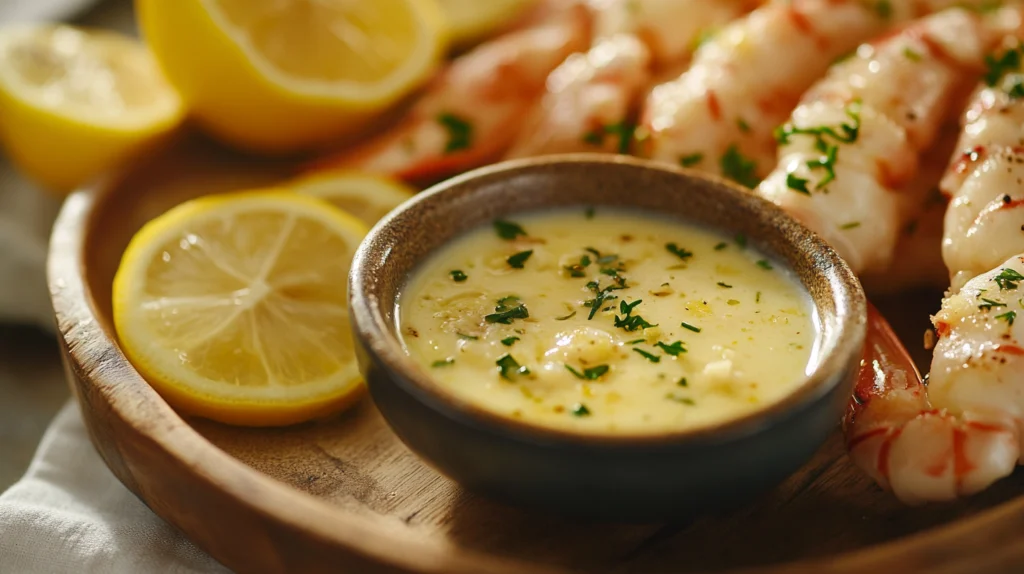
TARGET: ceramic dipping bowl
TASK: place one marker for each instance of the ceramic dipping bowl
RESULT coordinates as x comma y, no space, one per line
664,475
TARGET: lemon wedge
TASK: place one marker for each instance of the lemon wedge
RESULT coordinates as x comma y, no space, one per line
234,307
287,75
368,197
73,103
470,20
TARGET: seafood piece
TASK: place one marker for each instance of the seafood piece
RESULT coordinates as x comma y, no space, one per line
590,96
985,219
853,143
719,115
922,446
471,112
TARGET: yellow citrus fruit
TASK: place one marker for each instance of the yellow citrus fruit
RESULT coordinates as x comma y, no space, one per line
73,103
367,196
287,75
469,20
234,307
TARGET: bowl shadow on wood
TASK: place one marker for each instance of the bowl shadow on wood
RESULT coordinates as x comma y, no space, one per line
355,463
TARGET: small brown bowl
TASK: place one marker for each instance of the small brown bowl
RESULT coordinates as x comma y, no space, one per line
635,477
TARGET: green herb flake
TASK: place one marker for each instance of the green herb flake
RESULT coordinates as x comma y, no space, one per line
679,252
883,8
741,240
566,317
798,184
691,160
468,337
1009,61
624,131
721,246
1008,278
508,309
508,230
580,410
764,264
690,327
733,302
682,382
635,341
850,225
674,349
629,321
457,275
589,213
646,355
519,259
460,132
591,374
912,55
1008,316
509,367
841,134
989,304
743,125
679,399
725,285
757,297
443,363
509,341
738,168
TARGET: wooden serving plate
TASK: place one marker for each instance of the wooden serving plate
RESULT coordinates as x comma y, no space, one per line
347,496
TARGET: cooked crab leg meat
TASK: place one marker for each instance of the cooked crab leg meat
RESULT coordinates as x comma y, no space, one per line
855,139
470,113
590,96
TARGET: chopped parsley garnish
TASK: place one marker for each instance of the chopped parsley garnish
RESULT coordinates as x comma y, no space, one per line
507,367
458,276
622,130
589,213
691,160
602,259
721,246
635,341
843,133
678,399
679,252
443,363
468,337
911,54
733,302
578,269
508,309
989,304
738,168
516,261
674,349
580,410
508,230
743,125
723,284
591,374
757,298
884,9
566,317
741,240
602,294
690,327
764,264
1009,61
460,132
682,382
1008,278
850,225
509,341
646,355
629,321
1008,316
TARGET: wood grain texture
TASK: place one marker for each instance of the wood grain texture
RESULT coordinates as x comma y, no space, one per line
345,495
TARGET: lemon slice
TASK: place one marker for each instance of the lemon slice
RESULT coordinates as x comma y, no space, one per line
76,102
234,307
470,20
367,196
285,75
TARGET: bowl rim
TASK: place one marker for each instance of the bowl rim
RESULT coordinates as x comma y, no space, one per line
385,348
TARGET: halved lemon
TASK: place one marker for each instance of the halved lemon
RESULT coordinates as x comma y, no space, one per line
286,75
73,103
234,307
470,20
367,196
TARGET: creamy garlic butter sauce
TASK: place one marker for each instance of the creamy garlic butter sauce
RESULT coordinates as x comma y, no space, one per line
608,321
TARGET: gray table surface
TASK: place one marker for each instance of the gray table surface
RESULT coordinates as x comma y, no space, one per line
32,386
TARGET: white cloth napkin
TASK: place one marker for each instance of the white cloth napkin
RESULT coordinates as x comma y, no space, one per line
69,514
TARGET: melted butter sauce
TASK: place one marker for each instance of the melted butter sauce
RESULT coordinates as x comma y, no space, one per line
691,328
